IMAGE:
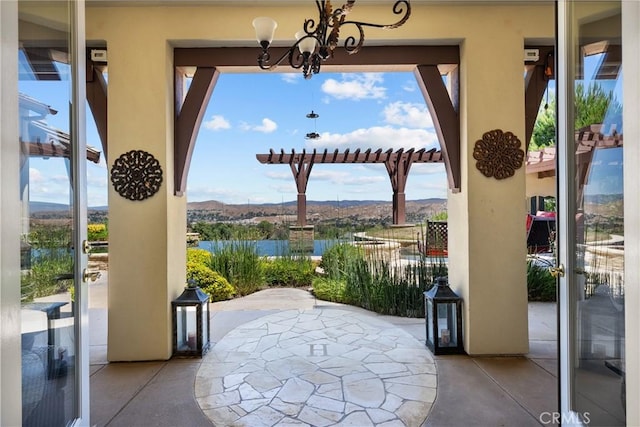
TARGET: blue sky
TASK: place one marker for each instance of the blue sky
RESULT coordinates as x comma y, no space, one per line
251,113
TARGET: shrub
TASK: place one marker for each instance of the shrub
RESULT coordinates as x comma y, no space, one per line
328,289
289,271
541,285
43,278
218,288
201,256
50,258
97,232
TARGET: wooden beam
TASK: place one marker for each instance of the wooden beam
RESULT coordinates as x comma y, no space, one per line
445,120
97,99
369,55
378,156
41,63
536,82
187,123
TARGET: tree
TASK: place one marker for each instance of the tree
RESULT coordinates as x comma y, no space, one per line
591,107
266,229
544,131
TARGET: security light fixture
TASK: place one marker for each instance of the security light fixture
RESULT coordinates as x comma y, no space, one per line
318,39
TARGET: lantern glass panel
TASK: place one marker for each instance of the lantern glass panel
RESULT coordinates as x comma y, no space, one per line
447,331
430,321
205,324
186,328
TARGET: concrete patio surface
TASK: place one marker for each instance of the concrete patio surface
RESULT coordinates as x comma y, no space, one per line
471,391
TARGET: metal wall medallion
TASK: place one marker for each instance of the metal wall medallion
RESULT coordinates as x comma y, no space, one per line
498,154
136,175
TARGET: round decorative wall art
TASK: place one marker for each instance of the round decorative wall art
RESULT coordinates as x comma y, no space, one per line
136,175
498,154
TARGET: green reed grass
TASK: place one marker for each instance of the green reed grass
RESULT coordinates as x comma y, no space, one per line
376,279
239,263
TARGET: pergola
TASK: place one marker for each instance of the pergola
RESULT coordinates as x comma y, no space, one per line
587,140
398,164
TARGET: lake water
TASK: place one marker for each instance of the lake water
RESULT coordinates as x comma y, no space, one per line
269,247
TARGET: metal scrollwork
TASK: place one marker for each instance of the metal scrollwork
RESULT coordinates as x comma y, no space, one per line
136,175
498,154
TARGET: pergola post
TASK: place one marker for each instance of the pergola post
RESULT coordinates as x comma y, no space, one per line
97,99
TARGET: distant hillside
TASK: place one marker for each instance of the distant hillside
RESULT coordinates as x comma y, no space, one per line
212,204
353,210
37,207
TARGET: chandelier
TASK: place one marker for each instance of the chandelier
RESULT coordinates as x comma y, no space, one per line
318,39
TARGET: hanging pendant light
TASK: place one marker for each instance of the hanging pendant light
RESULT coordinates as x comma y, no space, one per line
313,135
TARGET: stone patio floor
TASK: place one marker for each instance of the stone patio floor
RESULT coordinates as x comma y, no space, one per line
282,358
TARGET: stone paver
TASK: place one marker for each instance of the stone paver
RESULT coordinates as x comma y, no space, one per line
317,367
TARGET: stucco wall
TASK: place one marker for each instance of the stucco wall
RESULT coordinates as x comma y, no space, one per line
540,186
486,219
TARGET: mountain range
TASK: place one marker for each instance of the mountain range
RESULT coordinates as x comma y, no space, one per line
213,210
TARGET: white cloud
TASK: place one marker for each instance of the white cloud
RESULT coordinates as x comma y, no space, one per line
427,169
35,176
410,86
217,122
434,186
344,178
292,78
60,179
279,175
286,189
356,87
328,175
96,181
267,126
384,137
408,114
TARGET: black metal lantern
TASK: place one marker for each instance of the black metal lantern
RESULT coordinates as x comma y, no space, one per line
190,312
443,312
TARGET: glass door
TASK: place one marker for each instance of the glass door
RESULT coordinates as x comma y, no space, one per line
591,226
53,158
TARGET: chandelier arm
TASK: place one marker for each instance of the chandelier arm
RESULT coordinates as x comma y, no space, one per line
399,7
300,59
295,58
350,44
310,27
326,32
320,4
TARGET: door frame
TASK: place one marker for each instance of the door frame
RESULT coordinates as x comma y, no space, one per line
566,60
631,128
566,229
79,188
